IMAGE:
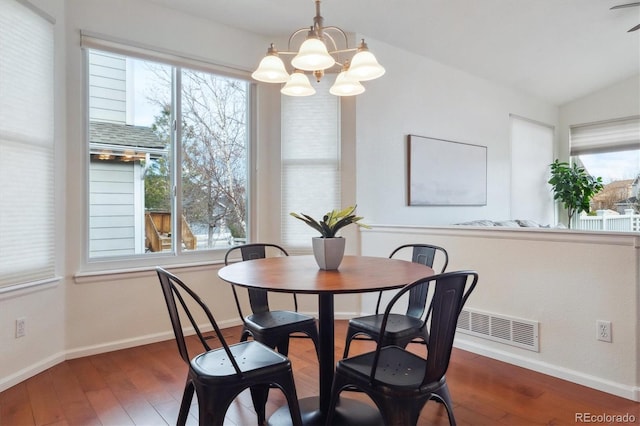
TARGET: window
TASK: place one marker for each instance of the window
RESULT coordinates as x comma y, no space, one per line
531,144
610,150
168,157
310,161
27,213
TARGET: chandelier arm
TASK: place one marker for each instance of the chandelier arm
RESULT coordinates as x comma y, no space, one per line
295,33
314,55
344,35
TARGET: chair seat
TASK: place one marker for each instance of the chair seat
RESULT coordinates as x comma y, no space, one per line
252,357
408,327
398,325
396,367
217,376
282,320
398,381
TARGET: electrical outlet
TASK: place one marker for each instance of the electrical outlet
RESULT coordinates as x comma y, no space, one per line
603,330
21,330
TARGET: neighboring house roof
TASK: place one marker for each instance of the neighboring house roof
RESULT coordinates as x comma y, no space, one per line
618,190
135,137
628,201
121,142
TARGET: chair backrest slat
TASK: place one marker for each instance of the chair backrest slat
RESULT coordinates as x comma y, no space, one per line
446,305
450,292
174,289
258,298
426,255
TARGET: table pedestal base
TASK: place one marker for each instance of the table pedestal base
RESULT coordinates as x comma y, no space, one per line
348,412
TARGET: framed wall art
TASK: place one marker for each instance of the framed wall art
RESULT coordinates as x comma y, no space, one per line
446,173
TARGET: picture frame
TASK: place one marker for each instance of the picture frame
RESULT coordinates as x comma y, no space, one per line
446,173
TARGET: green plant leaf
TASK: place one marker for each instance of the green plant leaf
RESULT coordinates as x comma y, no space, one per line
332,222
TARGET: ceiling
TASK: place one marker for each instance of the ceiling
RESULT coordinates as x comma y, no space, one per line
557,50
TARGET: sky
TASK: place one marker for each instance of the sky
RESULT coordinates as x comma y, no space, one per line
613,166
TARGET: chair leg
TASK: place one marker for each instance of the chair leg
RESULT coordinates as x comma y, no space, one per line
185,405
289,390
283,346
347,343
314,337
351,335
395,412
212,405
245,335
259,395
443,396
332,406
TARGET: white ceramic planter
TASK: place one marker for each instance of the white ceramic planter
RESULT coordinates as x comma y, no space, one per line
328,252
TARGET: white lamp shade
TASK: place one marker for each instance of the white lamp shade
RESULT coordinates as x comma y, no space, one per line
298,85
364,66
271,70
346,86
313,56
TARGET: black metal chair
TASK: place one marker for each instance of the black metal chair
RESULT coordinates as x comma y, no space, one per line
401,328
400,382
273,328
218,375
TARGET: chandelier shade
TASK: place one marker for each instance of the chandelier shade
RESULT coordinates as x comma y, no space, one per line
298,85
318,54
271,70
312,56
365,66
345,85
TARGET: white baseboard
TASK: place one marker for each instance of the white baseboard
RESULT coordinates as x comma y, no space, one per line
618,389
30,371
139,341
598,383
117,345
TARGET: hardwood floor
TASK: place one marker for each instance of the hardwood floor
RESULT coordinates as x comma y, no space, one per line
143,386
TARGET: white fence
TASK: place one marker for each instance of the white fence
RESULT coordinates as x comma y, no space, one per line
628,222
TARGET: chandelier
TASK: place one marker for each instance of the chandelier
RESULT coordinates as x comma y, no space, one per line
318,53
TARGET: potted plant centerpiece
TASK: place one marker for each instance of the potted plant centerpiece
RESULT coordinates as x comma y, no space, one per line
328,249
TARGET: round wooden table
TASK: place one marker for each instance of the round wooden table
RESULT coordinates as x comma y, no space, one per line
300,274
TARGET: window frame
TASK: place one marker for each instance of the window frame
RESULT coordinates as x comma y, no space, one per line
618,135
130,263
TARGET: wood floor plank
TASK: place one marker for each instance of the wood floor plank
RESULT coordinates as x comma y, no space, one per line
88,376
144,385
45,404
15,407
109,409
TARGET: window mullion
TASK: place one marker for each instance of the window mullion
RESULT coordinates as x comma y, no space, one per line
176,143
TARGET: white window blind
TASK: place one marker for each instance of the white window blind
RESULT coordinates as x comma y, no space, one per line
606,136
310,161
27,217
531,154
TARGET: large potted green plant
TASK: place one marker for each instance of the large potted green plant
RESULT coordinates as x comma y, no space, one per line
573,187
328,249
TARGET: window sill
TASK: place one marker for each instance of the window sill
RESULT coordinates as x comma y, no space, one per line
30,287
116,274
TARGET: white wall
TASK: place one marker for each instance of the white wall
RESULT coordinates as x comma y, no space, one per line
112,310
619,100
565,280
43,307
422,97
99,312
103,312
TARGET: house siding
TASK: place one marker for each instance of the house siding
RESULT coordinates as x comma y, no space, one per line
112,219
108,87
